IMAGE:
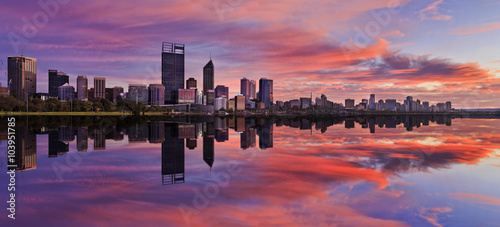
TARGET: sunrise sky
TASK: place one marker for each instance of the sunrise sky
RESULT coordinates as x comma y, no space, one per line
434,50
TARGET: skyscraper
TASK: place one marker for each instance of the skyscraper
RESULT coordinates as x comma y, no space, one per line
22,76
99,87
172,70
221,91
266,92
138,93
372,103
191,83
208,77
82,88
253,92
245,88
56,79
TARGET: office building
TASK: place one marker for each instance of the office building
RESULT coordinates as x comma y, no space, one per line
138,93
82,88
172,70
156,94
245,88
266,92
390,104
349,103
240,102
186,96
372,103
191,83
66,92
99,87
305,103
448,105
22,76
210,95
220,103
56,79
221,91
208,77
113,93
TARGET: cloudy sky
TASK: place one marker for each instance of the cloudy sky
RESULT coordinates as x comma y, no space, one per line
435,50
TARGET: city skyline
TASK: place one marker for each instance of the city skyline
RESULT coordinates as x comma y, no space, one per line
410,55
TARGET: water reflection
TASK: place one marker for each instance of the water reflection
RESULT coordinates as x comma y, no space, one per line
303,171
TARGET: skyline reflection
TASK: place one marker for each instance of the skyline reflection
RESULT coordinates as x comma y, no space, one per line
298,172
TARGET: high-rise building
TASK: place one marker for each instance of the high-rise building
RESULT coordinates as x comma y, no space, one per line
82,88
390,104
191,83
113,93
220,103
221,91
349,103
210,96
426,106
99,87
305,103
266,92
448,105
253,90
240,102
138,93
372,103
208,77
156,94
172,70
56,79
25,150
245,88
66,92
22,76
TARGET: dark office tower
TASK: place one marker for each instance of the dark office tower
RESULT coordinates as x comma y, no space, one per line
25,150
66,134
56,147
99,139
208,77
172,70
221,91
245,88
112,93
208,150
22,76
410,103
82,88
172,156
99,87
82,141
191,83
266,135
266,92
156,132
56,79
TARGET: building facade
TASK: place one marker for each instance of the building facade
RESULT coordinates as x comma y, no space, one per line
56,79
191,83
172,69
208,77
266,92
66,92
22,76
138,93
99,87
156,94
82,88
221,91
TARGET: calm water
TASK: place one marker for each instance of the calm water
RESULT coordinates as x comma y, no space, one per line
408,171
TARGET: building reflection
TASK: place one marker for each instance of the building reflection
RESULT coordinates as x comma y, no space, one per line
25,151
176,136
172,156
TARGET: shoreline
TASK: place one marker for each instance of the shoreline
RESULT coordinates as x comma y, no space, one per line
251,114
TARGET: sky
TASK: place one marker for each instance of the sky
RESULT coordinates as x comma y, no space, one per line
433,50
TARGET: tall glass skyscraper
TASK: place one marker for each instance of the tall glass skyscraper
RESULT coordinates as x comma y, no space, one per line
22,76
172,70
208,77
82,88
266,92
